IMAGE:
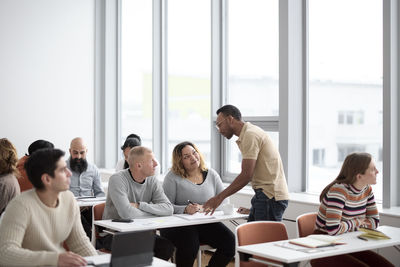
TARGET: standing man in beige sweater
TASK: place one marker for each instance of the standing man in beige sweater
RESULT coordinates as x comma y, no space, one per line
261,165
36,223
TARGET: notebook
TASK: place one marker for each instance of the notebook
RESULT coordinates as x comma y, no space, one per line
316,241
131,249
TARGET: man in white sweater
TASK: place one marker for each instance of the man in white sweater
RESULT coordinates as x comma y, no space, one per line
136,193
38,222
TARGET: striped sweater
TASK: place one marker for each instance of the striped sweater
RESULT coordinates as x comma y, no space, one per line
344,208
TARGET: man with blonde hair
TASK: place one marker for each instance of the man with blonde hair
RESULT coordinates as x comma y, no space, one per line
136,193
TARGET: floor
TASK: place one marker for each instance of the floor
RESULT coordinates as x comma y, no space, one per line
206,257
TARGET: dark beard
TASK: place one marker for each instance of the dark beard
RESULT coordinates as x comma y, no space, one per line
78,165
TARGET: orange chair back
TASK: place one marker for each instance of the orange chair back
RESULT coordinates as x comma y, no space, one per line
306,224
259,232
98,211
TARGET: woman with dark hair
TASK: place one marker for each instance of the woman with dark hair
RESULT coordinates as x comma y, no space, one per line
347,204
188,185
131,141
23,180
9,187
126,147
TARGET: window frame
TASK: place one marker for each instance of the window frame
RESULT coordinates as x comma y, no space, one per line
293,90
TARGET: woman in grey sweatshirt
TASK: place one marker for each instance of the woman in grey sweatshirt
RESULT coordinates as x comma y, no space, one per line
188,185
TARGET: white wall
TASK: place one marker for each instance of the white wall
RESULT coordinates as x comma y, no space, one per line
47,71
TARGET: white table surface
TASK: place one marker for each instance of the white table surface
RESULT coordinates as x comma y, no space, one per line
271,250
152,223
89,202
105,258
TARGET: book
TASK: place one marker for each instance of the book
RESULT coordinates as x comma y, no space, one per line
316,241
372,234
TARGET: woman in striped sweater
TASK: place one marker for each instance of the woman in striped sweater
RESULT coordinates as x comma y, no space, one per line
347,204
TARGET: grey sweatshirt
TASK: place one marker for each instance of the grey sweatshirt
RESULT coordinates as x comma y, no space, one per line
123,190
179,190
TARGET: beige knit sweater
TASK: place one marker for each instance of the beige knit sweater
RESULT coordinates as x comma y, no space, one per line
32,233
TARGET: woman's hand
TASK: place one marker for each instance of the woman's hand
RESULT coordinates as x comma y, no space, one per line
193,208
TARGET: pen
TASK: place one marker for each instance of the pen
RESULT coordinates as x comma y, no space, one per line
190,202
362,238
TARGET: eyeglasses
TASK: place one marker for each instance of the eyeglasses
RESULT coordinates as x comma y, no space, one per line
217,124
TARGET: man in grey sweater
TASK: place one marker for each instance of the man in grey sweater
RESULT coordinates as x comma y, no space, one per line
136,193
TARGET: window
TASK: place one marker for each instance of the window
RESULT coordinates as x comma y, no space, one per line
319,157
351,117
345,149
136,70
345,85
253,63
189,61
253,69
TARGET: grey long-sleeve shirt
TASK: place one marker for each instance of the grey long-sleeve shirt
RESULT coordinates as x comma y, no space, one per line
123,190
179,190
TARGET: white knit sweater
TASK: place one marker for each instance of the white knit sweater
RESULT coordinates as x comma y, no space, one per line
33,233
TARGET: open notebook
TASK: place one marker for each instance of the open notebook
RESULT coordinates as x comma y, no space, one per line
316,241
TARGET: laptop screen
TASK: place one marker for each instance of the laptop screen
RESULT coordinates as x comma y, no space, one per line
132,249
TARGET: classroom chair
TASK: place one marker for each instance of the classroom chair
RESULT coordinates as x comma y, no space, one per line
97,214
306,224
258,232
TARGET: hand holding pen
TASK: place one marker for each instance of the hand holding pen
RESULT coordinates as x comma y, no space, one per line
192,208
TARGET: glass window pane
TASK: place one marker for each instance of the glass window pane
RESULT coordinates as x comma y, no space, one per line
189,68
136,70
345,86
253,56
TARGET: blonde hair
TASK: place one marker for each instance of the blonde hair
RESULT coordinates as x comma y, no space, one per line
354,163
177,165
135,153
8,157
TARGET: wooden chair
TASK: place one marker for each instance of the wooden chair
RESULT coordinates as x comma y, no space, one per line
306,224
97,214
258,232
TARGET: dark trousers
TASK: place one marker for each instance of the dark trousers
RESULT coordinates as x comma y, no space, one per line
86,219
163,248
266,209
188,239
357,259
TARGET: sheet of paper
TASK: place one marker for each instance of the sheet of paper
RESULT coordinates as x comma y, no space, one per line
196,216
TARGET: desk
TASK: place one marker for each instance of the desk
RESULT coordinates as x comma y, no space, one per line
176,220
89,202
105,258
291,257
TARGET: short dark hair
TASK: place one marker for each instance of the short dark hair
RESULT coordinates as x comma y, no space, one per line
39,144
230,110
40,162
131,142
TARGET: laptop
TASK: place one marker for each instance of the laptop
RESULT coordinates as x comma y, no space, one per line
131,249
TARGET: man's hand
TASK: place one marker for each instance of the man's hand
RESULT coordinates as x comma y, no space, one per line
70,259
212,204
242,210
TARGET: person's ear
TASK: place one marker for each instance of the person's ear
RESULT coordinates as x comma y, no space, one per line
46,179
358,176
